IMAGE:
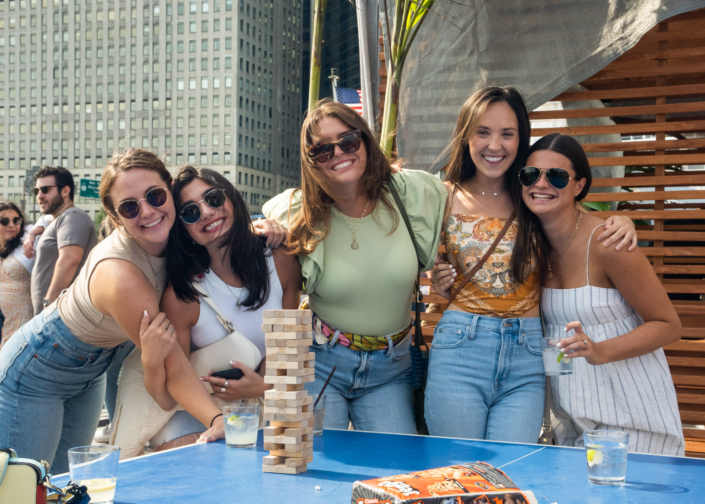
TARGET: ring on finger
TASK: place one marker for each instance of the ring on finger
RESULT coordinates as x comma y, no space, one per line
225,385
586,344
222,390
165,325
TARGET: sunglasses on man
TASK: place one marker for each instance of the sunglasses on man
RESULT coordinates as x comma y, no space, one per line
44,189
324,152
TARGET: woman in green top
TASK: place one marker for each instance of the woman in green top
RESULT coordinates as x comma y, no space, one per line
359,265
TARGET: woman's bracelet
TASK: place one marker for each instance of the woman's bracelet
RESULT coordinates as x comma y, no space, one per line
219,414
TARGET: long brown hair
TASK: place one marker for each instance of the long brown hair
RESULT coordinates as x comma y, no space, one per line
532,246
311,224
131,159
461,166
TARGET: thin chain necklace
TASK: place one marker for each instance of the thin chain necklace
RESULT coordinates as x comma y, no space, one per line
238,304
354,244
477,188
550,271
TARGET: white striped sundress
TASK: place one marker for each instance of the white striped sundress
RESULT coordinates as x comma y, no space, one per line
633,395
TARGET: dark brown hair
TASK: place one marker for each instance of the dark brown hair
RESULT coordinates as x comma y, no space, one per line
461,166
311,224
532,246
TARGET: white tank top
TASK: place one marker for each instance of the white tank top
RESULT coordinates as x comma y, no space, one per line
208,330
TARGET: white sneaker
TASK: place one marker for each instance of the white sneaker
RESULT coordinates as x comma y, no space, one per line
102,435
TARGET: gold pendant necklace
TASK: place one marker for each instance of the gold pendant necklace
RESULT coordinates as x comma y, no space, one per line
354,244
550,271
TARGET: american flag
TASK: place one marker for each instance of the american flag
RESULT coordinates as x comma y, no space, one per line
350,97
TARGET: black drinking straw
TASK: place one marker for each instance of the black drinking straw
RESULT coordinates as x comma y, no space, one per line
325,385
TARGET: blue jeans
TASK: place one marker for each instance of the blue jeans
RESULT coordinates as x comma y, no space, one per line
486,378
370,389
52,387
112,376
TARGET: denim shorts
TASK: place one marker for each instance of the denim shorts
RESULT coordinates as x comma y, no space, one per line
485,378
52,387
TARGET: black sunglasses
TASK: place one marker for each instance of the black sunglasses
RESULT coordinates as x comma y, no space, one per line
323,152
4,221
44,189
191,213
155,198
557,177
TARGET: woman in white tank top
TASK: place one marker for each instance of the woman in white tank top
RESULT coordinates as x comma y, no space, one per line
213,244
619,310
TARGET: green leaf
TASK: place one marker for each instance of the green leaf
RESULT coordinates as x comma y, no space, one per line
596,205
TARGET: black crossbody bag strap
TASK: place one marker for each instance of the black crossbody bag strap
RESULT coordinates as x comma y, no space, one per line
418,296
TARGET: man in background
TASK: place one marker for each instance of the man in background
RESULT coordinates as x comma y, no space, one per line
66,241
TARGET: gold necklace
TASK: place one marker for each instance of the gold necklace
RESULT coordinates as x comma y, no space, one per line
468,193
154,273
354,244
550,271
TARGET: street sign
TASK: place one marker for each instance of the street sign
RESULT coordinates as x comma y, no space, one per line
89,188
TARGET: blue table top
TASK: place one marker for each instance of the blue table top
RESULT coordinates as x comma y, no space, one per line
215,473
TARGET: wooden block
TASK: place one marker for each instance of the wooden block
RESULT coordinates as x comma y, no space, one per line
285,453
290,335
283,469
274,313
294,461
285,365
285,440
291,327
291,380
309,378
307,437
267,328
309,459
297,431
282,357
288,320
304,350
284,411
286,387
272,460
309,363
274,431
293,395
288,372
284,418
288,403
296,313
278,342
302,424
290,447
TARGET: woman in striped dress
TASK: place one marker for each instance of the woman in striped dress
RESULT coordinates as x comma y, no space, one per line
619,310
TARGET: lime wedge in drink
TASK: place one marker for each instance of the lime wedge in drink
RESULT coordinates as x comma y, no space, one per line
594,457
235,420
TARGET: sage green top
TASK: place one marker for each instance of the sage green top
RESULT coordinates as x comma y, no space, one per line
368,291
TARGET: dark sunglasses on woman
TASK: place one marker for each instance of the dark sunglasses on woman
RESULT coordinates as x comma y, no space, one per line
557,177
4,221
324,152
191,213
155,198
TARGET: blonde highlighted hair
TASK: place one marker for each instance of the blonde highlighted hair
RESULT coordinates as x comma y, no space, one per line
311,224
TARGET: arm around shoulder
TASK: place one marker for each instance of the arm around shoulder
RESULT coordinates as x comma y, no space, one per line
290,277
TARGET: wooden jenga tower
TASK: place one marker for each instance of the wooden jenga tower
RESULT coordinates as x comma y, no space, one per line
288,407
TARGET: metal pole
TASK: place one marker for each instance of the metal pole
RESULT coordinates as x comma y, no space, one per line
334,82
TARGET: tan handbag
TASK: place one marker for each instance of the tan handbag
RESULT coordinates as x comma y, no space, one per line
217,356
22,480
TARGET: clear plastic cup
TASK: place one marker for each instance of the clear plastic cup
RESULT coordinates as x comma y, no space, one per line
96,468
241,424
319,414
555,363
606,453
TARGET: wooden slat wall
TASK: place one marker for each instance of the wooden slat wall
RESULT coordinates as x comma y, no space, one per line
656,88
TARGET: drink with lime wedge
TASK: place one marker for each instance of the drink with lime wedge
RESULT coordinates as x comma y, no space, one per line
606,453
555,363
96,468
241,422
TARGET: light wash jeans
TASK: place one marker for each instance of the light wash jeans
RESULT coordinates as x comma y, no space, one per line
370,389
112,375
486,378
52,387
